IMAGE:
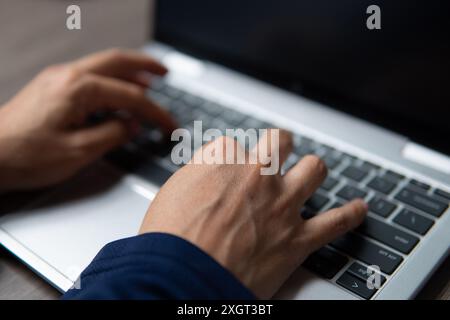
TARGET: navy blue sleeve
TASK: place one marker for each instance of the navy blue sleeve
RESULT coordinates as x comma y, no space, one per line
156,266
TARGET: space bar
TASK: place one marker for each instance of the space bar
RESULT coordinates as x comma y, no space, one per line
153,172
368,252
143,166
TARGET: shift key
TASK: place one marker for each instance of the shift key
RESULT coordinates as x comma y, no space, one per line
422,202
368,252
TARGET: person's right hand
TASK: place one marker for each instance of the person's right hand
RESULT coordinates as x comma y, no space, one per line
250,223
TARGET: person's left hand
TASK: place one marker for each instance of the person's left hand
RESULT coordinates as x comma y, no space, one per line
44,134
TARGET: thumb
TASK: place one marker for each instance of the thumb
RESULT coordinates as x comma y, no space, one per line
326,227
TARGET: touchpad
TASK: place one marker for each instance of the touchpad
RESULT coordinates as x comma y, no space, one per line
68,227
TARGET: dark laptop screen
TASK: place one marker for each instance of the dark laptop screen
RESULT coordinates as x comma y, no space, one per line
397,76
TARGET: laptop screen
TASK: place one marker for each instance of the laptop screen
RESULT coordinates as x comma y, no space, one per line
397,76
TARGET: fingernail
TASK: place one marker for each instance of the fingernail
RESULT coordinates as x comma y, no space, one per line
365,205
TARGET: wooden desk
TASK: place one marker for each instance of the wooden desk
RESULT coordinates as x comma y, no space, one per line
33,35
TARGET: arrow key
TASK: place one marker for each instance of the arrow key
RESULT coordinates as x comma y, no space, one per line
349,282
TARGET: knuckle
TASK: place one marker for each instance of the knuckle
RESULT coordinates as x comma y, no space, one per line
51,70
221,139
225,146
71,75
78,149
224,140
87,84
77,143
341,223
317,164
61,79
82,90
115,53
118,130
53,74
66,75
136,91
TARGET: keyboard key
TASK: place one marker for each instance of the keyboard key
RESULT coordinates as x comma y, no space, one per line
368,252
171,92
291,161
220,124
178,106
139,164
354,284
252,123
327,150
348,157
381,185
213,109
303,150
153,172
360,271
330,162
157,85
350,193
381,207
335,205
234,118
316,202
420,185
366,165
192,100
307,141
442,193
325,262
389,235
354,173
159,98
307,213
413,221
329,183
422,202
393,176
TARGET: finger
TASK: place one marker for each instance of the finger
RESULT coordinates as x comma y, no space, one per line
100,93
120,63
140,79
327,226
223,150
97,140
274,145
303,179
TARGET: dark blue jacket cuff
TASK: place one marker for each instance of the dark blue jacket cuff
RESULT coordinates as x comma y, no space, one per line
156,266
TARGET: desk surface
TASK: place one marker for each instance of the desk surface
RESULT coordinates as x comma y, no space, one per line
33,35
18,282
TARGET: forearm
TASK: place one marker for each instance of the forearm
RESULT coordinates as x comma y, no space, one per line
156,266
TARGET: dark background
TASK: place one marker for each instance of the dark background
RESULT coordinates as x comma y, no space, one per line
398,76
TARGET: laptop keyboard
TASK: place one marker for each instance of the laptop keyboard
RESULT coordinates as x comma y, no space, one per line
401,210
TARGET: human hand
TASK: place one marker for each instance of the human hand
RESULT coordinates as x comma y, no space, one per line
44,134
248,222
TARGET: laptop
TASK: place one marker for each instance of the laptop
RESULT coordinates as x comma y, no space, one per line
372,103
